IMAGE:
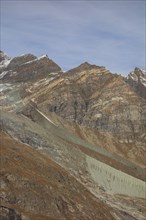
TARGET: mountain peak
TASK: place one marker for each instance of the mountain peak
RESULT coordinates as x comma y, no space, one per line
137,74
85,66
4,60
137,80
28,67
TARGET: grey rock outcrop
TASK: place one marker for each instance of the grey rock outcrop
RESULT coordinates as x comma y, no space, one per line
137,81
4,61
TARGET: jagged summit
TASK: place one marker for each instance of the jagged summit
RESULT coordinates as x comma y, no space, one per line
83,134
27,67
137,80
3,56
85,67
137,73
4,60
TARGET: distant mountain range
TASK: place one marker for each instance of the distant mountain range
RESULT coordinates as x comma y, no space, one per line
73,144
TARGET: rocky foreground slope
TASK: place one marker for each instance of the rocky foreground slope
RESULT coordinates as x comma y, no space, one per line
81,141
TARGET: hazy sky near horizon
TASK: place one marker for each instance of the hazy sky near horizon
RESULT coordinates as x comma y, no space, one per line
107,33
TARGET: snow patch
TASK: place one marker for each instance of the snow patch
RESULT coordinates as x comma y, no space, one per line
5,61
143,79
43,56
31,61
133,77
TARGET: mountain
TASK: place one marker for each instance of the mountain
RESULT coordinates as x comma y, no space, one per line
73,143
29,68
137,80
4,60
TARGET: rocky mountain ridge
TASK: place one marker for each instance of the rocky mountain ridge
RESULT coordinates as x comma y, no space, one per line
31,68
4,60
90,122
137,80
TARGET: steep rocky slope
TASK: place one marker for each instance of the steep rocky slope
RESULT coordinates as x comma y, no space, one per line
90,122
95,99
4,61
27,68
137,80
88,95
35,187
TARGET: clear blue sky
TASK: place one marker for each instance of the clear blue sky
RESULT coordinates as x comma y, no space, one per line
108,33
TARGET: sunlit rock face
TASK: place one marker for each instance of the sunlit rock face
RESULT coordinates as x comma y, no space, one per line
93,97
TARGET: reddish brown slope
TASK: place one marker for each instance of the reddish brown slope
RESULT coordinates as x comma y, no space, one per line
34,187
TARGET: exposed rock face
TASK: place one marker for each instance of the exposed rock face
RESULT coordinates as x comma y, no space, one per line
4,61
97,99
38,188
84,66
18,61
28,68
8,213
137,80
75,118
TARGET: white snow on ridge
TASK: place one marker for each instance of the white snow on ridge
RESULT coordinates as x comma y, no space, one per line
143,81
43,56
133,77
6,60
31,61
39,58
136,78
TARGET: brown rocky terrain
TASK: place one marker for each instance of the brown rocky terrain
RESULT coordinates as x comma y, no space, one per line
36,186
96,99
81,130
28,68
